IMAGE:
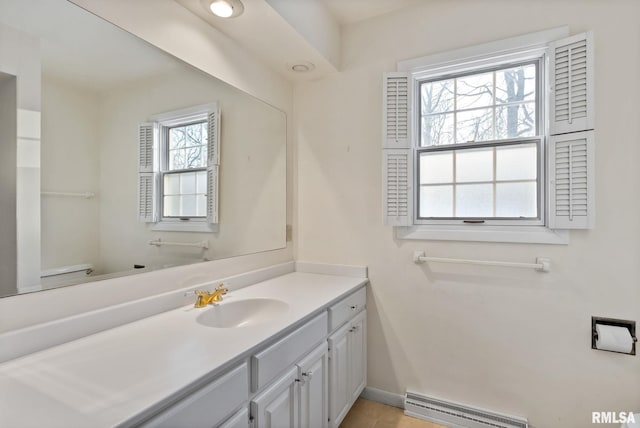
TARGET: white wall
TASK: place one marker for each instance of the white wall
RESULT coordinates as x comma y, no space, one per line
510,340
70,163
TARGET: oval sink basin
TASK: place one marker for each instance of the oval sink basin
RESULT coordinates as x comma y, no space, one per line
242,313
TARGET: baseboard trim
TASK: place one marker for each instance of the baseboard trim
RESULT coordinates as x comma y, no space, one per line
384,397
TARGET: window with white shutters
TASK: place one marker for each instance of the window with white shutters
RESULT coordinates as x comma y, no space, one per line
497,145
179,167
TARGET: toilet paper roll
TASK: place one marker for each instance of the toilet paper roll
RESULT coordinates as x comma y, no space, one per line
614,338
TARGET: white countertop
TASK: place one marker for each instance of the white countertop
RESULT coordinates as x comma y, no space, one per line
117,376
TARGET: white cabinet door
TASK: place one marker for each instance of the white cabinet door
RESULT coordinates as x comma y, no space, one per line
358,351
313,372
339,367
277,406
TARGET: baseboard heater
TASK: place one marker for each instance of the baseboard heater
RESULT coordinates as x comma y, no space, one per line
457,415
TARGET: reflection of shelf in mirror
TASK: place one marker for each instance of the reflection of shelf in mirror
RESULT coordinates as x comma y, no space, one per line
84,195
159,242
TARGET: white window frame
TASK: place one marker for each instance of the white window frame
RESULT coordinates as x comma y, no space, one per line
171,119
518,49
538,139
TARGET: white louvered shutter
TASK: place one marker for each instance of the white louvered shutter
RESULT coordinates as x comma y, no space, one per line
397,196
571,181
146,203
396,150
396,110
147,181
213,165
572,91
213,143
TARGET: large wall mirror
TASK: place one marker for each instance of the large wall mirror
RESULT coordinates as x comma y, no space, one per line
77,200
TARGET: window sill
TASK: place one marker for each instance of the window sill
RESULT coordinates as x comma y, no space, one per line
509,234
198,226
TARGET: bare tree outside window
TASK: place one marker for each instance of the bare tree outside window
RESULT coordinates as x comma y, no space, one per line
495,105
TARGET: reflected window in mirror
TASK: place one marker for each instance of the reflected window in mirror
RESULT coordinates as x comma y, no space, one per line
184,171
179,167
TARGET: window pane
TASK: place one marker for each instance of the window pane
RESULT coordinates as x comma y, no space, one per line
196,157
436,201
516,199
517,162
475,125
177,159
436,167
516,84
474,91
201,205
516,120
437,97
474,200
187,183
195,134
188,206
474,165
437,130
201,182
171,206
171,184
177,138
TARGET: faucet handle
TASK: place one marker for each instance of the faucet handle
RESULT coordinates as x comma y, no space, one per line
220,287
196,293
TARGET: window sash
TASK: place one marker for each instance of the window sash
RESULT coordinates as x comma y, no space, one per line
166,150
455,111
164,194
454,148
165,170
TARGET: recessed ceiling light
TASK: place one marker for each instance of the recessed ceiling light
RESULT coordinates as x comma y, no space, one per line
301,66
226,8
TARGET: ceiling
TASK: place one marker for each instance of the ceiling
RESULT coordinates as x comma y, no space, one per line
350,11
284,32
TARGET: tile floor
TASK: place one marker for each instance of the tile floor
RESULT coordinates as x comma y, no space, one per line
369,414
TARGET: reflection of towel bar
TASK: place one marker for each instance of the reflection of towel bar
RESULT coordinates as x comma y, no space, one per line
85,195
542,264
159,242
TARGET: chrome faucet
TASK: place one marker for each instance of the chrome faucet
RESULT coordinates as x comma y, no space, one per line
205,298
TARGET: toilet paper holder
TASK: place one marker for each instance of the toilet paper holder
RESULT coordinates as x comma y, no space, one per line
630,325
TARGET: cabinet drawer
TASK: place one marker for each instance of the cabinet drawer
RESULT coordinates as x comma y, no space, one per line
210,405
345,309
239,420
266,365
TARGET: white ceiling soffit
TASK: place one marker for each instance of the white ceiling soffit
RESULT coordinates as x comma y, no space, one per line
350,11
282,33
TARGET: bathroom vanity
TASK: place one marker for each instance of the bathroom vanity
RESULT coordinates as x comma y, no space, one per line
285,352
